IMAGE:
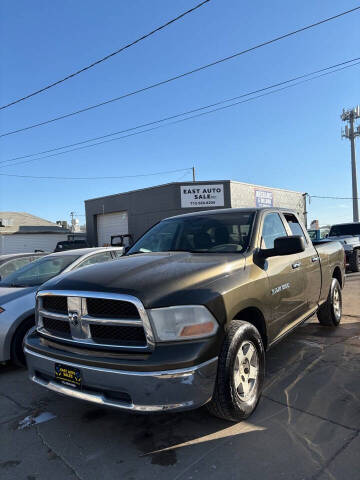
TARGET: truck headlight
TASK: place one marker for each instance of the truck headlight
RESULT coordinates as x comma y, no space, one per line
182,323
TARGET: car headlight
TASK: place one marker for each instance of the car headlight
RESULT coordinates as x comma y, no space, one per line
182,323
2,310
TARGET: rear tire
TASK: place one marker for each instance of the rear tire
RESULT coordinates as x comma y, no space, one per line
354,262
241,373
329,314
17,349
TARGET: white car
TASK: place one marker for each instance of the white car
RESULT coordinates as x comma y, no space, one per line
18,290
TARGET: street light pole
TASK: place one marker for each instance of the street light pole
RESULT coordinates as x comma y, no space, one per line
351,133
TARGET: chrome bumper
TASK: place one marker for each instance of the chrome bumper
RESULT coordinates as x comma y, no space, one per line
183,389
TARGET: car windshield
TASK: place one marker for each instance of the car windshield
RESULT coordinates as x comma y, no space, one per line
346,229
213,233
312,234
39,271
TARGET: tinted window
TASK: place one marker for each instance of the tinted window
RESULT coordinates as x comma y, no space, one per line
273,228
294,225
98,258
347,229
213,233
39,271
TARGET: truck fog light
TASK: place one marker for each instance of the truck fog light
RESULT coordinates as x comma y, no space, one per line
182,323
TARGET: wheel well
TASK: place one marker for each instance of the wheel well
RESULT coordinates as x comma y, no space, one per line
254,316
337,274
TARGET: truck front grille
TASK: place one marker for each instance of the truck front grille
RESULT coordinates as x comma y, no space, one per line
118,335
55,304
57,327
94,319
101,307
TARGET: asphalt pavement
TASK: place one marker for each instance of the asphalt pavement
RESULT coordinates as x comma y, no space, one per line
307,425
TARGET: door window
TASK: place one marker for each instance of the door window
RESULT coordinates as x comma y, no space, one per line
273,228
294,225
98,258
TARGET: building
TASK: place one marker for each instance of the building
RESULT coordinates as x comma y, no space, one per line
136,211
22,232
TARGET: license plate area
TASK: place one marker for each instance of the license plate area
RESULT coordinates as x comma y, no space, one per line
68,375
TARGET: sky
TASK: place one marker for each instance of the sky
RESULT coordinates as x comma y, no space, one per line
291,139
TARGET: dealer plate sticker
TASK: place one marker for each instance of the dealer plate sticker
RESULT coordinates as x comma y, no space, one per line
68,375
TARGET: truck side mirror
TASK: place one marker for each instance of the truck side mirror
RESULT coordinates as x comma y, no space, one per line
285,246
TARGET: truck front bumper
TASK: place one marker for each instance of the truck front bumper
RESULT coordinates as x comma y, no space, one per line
182,389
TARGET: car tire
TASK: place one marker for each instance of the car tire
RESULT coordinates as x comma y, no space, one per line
17,348
354,262
242,357
329,314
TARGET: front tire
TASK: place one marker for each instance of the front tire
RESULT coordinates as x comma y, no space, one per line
17,349
329,314
354,262
241,373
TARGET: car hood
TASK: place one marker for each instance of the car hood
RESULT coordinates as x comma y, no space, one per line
8,294
158,279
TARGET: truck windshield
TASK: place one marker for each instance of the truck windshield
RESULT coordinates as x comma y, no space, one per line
214,233
39,271
346,229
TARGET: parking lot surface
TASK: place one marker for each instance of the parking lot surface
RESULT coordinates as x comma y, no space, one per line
307,425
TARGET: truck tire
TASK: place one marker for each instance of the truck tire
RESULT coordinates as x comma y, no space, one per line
241,373
17,349
354,262
329,314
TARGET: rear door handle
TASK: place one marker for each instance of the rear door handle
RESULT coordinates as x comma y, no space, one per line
315,259
296,265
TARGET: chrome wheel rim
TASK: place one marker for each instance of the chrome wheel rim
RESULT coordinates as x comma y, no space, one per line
246,370
337,303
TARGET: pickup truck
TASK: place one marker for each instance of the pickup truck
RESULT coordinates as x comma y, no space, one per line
348,234
185,317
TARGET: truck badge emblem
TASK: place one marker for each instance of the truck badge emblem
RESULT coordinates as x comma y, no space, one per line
74,318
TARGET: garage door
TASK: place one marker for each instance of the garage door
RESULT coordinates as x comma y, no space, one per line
22,243
111,224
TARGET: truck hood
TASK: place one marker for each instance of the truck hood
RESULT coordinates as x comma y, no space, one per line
8,294
346,239
158,279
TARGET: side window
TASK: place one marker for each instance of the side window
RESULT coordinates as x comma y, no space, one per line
98,258
117,253
273,228
294,225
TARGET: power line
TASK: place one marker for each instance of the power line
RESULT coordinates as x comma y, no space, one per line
344,65
96,178
143,37
333,198
171,79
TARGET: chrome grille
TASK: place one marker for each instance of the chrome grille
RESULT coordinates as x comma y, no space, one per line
94,319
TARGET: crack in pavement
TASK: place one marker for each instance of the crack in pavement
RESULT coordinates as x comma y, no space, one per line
356,430
18,404
65,462
336,454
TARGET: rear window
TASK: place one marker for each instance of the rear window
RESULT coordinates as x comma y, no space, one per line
346,229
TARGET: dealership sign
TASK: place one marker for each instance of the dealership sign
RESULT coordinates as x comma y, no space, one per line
204,196
264,198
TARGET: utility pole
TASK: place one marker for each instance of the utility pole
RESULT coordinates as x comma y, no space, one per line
193,172
351,133
72,221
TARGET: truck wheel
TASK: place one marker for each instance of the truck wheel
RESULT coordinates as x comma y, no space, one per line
354,262
329,314
17,349
240,375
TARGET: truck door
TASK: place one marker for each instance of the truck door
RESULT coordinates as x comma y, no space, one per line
286,282
310,264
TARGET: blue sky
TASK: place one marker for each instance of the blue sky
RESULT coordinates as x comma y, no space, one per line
289,140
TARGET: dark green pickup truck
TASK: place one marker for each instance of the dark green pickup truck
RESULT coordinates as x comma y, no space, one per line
185,317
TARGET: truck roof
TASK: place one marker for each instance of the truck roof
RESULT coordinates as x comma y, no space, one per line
229,210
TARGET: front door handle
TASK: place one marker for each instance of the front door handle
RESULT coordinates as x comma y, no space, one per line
315,259
296,265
